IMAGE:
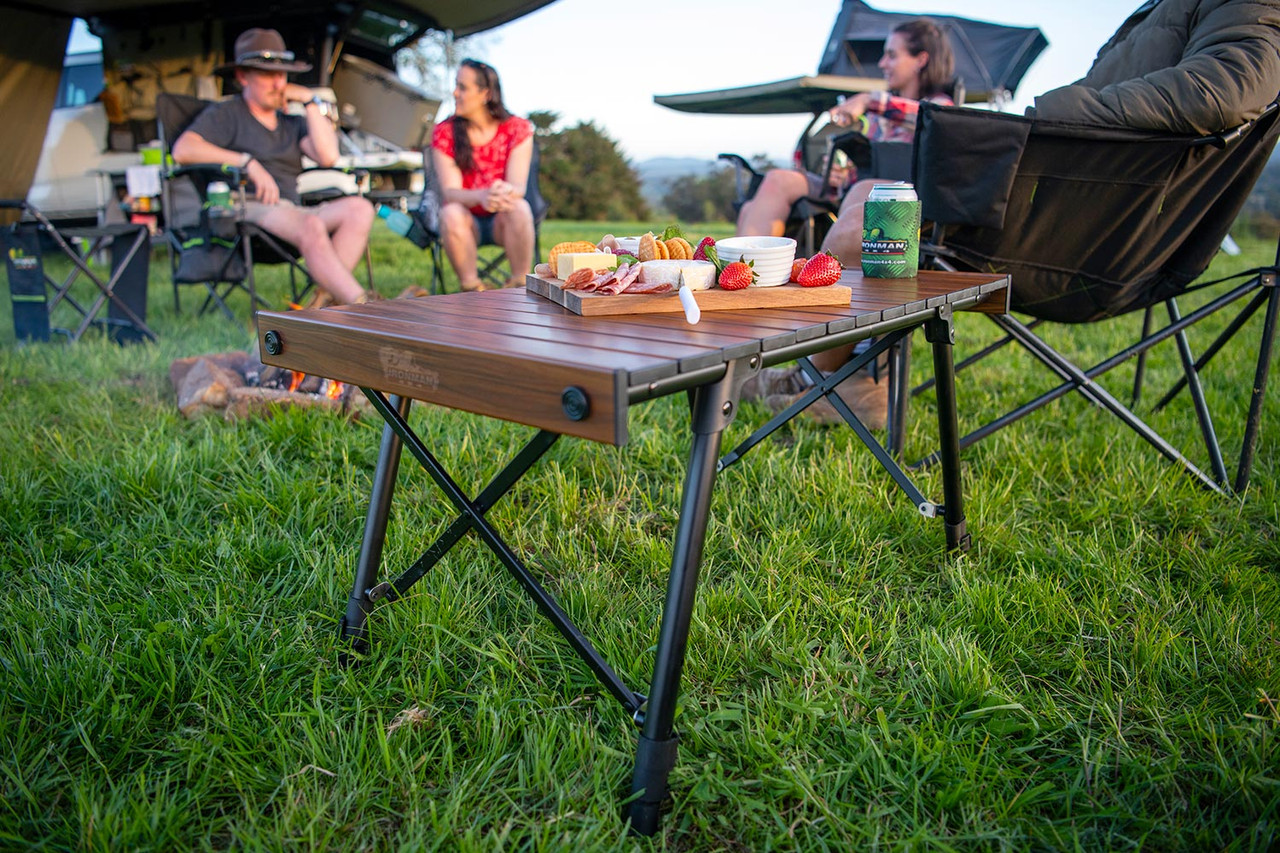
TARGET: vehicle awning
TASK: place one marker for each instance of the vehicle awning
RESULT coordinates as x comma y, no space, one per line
793,95
463,17
31,47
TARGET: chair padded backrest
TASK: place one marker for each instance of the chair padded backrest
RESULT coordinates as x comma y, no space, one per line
174,114
1090,222
185,196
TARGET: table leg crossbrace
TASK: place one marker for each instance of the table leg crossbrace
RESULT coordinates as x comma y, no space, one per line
713,407
367,591
939,332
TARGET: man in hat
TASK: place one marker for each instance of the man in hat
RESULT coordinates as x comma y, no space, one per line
254,133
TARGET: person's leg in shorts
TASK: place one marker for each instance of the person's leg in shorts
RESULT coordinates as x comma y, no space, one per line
331,238
513,231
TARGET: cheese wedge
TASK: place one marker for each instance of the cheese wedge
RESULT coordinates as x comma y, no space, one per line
566,264
696,275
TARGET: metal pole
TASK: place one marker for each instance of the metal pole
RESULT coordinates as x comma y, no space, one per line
1253,422
375,532
941,333
656,751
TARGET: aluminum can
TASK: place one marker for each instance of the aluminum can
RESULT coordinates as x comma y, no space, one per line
891,232
219,194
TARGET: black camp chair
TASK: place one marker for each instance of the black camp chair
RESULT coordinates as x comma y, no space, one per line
218,254
426,232
1094,223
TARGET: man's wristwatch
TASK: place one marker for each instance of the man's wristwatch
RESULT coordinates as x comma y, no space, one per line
244,164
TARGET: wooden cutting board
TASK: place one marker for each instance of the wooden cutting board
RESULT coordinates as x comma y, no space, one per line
715,299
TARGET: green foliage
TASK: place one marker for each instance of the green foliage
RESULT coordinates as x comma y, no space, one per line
583,176
706,198
1098,673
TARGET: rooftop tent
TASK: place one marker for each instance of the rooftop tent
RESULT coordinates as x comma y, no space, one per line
991,59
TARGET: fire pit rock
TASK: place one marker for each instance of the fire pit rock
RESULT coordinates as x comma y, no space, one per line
238,385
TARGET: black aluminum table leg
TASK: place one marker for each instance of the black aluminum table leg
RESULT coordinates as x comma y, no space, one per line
941,333
656,751
375,532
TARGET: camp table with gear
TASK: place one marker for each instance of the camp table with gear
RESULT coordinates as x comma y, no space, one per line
516,356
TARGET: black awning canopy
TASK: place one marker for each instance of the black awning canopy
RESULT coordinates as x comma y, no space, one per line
991,59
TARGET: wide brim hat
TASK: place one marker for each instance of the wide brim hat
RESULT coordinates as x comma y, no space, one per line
263,49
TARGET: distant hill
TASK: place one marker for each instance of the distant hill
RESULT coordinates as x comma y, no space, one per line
656,174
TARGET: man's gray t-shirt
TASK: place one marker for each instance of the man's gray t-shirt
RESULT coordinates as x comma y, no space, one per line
229,124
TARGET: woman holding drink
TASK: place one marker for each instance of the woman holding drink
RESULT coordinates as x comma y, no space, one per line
918,66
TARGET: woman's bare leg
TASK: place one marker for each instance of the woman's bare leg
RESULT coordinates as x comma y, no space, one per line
765,215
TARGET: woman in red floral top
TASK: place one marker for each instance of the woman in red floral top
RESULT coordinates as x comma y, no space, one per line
481,157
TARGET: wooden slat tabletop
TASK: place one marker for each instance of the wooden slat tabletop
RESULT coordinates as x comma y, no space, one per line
512,355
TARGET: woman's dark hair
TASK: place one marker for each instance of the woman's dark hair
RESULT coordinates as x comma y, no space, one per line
922,35
486,78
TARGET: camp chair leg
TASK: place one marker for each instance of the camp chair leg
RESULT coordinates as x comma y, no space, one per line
1253,422
656,751
437,271
1245,315
1078,380
1141,367
1196,390
375,530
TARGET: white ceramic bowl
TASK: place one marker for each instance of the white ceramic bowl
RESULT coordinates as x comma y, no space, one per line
772,256
758,247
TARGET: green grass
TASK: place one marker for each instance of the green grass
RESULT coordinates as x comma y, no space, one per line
1099,672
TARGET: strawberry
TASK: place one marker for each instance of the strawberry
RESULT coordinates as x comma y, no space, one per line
700,253
796,266
820,271
737,275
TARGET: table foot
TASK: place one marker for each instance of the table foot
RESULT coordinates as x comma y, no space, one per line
375,533
654,762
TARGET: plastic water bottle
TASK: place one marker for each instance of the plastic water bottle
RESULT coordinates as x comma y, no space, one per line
404,225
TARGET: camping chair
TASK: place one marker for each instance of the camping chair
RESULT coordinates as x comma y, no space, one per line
1095,223
427,234
811,217
203,250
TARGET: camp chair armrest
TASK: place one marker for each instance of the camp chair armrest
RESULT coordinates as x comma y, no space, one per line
739,162
210,171
355,171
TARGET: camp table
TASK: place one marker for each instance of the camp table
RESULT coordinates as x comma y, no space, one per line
514,355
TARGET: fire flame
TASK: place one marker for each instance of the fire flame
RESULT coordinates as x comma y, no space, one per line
295,379
334,389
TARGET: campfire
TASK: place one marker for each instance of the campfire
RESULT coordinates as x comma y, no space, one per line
238,385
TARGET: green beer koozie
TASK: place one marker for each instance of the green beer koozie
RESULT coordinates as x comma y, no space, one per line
891,232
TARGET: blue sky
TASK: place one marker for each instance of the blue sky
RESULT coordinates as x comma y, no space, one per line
594,60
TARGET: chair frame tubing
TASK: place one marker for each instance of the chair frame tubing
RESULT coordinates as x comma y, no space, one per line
1264,290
